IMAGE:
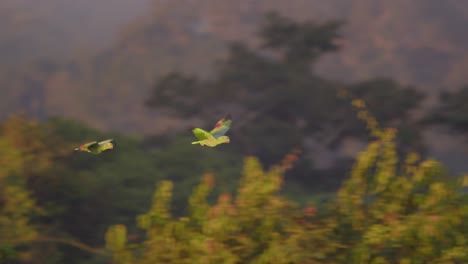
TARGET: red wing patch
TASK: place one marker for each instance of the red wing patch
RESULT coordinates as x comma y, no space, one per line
222,121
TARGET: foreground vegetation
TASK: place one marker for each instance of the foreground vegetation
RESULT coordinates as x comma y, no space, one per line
391,206
57,208
388,211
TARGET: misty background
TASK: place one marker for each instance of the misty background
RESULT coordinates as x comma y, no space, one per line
97,61
145,71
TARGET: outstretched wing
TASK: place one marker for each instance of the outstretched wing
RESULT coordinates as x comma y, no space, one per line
201,134
222,126
106,141
91,145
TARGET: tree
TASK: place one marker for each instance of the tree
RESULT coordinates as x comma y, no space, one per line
387,211
393,211
255,226
451,111
278,101
24,157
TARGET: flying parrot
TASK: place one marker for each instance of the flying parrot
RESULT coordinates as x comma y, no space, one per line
97,147
215,136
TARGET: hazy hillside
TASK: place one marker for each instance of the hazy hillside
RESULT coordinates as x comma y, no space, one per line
419,42
55,28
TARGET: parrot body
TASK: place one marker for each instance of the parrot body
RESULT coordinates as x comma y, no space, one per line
97,147
216,136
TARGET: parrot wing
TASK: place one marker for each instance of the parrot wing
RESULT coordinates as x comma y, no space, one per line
201,134
106,141
92,145
222,126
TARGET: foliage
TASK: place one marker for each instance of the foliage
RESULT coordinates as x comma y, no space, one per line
451,111
16,209
300,43
23,155
388,211
411,213
70,198
279,102
249,227
55,206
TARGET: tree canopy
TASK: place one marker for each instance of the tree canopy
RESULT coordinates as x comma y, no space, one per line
385,212
277,99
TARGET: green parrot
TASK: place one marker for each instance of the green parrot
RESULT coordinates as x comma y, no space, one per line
97,147
215,136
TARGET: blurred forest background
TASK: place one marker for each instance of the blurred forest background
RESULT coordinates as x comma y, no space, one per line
308,75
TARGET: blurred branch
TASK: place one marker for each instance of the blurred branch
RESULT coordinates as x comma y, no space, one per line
70,242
